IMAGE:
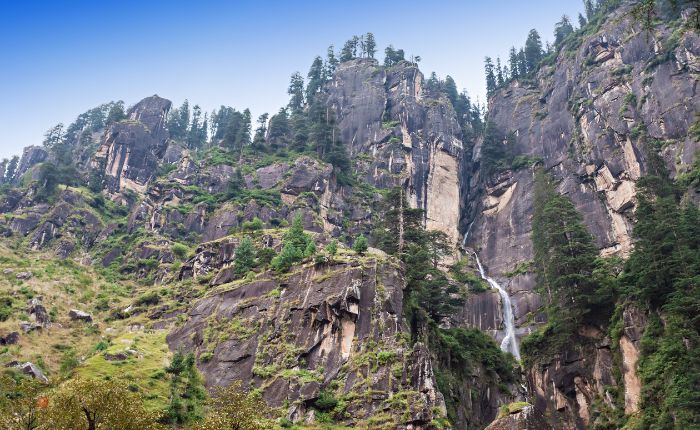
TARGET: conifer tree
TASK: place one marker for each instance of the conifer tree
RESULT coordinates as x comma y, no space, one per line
581,21
261,131
564,257
314,79
533,50
513,63
491,83
11,170
244,258
346,54
296,92
450,88
562,29
279,128
370,45
499,72
331,62
523,68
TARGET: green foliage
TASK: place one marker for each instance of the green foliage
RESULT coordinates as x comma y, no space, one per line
294,245
244,259
332,248
180,250
360,244
662,275
564,262
187,392
254,224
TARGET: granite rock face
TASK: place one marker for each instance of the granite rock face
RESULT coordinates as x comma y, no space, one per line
336,325
131,150
407,139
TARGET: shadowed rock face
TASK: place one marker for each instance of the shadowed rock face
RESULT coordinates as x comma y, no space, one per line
132,149
335,325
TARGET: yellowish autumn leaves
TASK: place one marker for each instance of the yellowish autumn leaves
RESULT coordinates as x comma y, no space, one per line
88,404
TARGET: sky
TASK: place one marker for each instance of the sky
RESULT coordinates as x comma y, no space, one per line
59,59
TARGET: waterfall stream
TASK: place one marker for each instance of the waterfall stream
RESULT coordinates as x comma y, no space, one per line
510,342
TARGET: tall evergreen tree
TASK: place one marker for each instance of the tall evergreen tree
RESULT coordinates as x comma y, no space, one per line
296,93
523,68
278,129
370,45
491,82
581,20
331,62
562,29
346,54
11,170
513,63
314,79
533,50
499,72
564,257
261,131
589,8
450,89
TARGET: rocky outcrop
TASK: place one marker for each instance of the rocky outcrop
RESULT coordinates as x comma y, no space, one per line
588,117
335,328
527,418
405,137
31,156
634,322
131,149
78,315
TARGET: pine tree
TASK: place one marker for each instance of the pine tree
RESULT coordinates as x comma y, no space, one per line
11,170
261,131
533,50
564,257
360,244
279,129
116,113
450,88
581,21
499,73
296,92
523,68
562,29
589,8
244,258
331,62
491,83
346,54
370,45
513,63
314,79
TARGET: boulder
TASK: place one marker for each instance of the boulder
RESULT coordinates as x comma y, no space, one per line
10,338
77,315
29,327
24,275
38,313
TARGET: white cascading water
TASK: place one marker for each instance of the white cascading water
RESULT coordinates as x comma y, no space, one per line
509,343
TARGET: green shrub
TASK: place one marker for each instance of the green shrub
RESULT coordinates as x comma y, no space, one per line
180,250
255,224
360,244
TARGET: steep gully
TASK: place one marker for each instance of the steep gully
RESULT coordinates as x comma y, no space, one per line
509,342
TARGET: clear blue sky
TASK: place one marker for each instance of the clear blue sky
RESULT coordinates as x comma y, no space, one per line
58,59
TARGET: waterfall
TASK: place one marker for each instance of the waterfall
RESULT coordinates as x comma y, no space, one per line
466,235
509,343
